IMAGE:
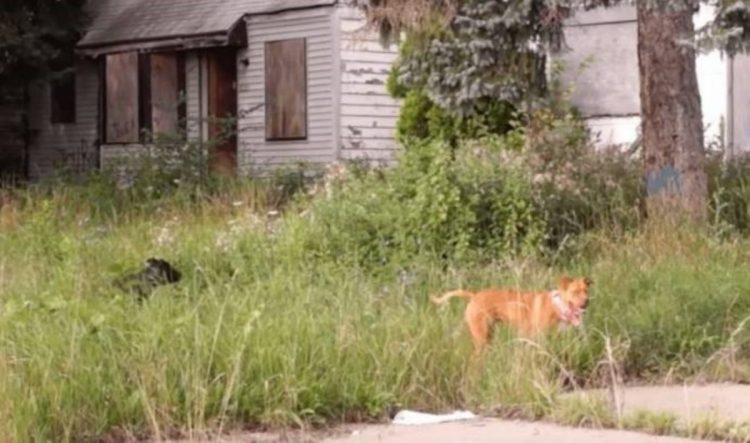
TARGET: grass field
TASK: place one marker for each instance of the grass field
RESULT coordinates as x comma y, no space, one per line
262,332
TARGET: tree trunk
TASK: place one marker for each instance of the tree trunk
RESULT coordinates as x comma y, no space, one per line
672,122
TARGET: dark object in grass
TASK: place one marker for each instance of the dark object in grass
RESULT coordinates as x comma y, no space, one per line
156,273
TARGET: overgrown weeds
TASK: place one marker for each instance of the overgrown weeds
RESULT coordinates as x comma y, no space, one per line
318,313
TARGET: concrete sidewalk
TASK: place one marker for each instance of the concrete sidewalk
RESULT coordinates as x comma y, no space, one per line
723,402
726,402
493,431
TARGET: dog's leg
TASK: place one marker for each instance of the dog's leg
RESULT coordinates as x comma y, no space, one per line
478,322
528,329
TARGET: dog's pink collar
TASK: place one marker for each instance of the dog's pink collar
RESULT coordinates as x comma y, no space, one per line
566,314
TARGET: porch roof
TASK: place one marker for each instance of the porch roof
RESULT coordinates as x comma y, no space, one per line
123,25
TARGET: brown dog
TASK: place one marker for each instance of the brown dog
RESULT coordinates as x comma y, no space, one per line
527,312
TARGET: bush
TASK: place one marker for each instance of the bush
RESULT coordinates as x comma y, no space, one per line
169,163
421,119
534,189
578,187
174,169
429,204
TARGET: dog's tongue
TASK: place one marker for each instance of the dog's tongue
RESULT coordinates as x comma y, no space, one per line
574,316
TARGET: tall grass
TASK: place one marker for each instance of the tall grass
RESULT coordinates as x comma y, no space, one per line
298,310
262,331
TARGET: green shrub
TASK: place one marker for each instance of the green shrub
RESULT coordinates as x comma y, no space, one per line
413,122
535,189
421,119
431,203
578,188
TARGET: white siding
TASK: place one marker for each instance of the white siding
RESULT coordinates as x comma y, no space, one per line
602,68
193,102
254,152
112,154
740,101
368,114
712,69
55,146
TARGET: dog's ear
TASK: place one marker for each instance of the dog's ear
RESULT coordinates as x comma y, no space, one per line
565,281
588,281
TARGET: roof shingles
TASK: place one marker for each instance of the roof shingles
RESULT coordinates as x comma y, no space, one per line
118,21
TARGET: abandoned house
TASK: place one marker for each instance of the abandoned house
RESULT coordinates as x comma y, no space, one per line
150,66
304,79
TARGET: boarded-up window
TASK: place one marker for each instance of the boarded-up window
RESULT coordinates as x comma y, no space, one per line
286,89
144,95
165,93
122,98
63,97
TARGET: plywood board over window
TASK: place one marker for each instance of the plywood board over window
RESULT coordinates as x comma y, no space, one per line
165,93
122,98
286,89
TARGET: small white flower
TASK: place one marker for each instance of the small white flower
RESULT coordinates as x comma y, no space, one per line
166,236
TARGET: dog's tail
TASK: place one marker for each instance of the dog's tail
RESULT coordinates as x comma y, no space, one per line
466,295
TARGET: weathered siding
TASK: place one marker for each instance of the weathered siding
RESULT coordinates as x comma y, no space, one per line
71,147
602,66
740,125
368,113
111,155
320,145
712,71
603,62
193,103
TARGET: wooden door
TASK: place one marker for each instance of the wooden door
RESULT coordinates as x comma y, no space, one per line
222,109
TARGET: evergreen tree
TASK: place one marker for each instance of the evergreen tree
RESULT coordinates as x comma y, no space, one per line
37,36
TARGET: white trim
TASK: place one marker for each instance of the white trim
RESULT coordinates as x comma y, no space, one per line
729,130
203,106
336,80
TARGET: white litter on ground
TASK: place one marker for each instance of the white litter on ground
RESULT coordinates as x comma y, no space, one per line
412,418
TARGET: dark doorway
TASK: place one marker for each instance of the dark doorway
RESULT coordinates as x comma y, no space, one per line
222,109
